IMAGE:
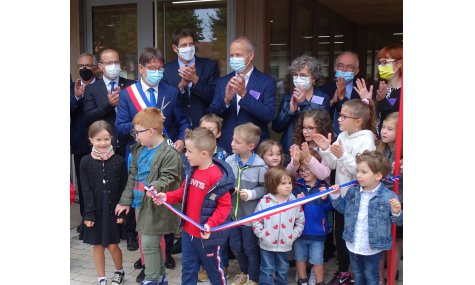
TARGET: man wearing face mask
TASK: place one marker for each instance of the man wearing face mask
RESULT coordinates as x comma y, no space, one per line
78,139
244,95
151,91
194,76
346,68
305,71
102,97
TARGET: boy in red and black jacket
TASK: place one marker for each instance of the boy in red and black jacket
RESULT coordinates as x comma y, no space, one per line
206,199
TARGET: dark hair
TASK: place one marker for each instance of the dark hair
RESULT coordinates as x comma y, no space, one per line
376,161
149,54
212,118
202,138
323,121
182,33
366,112
273,178
99,126
268,144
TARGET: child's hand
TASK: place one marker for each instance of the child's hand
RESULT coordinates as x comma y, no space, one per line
337,189
322,142
120,208
243,194
148,192
306,153
205,234
89,223
395,205
160,195
295,154
120,220
324,197
337,149
300,195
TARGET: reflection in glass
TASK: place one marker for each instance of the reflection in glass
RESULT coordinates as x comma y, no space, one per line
115,26
209,22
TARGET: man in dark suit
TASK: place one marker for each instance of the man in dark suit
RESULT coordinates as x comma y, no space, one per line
245,95
102,97
78,139
100,101
195,77
346,68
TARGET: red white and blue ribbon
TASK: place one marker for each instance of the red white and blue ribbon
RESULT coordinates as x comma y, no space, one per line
265,212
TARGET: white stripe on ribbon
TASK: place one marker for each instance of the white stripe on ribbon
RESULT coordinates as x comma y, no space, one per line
137,95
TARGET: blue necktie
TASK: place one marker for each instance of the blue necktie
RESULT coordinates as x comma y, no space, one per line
112,83
153,102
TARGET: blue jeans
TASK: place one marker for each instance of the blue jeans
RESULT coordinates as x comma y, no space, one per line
245,247
194,254
273,261
366,268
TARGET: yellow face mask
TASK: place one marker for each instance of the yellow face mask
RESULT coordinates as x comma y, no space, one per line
386,72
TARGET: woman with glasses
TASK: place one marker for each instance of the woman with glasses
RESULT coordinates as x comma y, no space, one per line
305,96
386,95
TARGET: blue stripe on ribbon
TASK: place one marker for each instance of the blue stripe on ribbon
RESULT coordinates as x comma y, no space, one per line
276,209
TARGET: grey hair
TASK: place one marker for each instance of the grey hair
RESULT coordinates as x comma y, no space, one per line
355,55
87,54
249,44
307,61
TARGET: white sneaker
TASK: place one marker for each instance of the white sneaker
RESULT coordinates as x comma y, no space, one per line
311,279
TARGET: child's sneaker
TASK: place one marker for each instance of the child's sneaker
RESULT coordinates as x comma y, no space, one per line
240,279
118,278
341,278
202,275
102,282
302,281
311,279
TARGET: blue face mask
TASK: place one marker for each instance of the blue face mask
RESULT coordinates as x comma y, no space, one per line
347,75
154,76
238,64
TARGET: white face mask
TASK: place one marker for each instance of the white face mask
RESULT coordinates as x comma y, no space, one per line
186,53
302,82
112,71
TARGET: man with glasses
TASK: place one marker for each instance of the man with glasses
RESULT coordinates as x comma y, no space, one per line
78,139
346,68
194,76
100,102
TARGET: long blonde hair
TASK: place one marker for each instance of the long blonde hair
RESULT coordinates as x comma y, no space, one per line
380,145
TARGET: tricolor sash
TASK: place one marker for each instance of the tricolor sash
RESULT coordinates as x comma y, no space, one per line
140,100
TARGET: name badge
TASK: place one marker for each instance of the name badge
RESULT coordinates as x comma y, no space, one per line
255,94
392,101
317,100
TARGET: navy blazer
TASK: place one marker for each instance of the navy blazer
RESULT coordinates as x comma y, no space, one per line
97,107
175,122
257,111
78,139
330,88
196,100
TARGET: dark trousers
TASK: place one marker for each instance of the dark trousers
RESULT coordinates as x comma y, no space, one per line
366,268
195,254
245,247
169,239
128,229
77,161
341,250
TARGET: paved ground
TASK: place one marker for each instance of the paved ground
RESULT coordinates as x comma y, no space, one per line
83,271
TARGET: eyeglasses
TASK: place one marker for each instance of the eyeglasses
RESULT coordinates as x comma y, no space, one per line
383,62
135,133
304,170
110,62
302,76
88,66
344,117
308,129
341,66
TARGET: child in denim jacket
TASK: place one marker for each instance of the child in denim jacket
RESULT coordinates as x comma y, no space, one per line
369,211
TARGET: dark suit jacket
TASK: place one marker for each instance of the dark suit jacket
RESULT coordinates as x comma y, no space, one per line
196,100
257,111
330,88
97,107
175,122
78,140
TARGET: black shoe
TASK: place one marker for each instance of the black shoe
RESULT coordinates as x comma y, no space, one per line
176,247
141,276
132,244
138,264
170,262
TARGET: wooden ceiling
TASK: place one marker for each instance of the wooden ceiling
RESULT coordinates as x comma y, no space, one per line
367,12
